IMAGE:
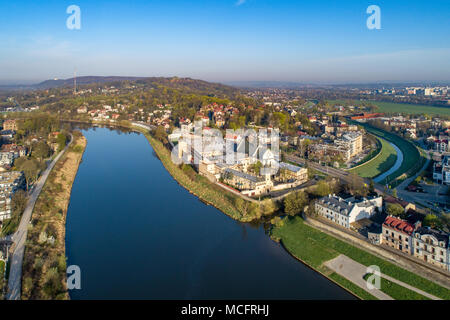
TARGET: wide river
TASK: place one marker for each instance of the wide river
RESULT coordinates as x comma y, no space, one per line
136,234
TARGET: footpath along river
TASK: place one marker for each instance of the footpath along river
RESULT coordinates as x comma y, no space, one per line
136,234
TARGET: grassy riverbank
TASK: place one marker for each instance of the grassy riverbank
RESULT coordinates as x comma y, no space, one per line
199,185
379,164
44,266
314,248
412,159
397,291
2,278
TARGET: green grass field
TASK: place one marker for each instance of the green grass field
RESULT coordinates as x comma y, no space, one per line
412,160
2,275
2,268
397,291
381,163
315,247
391,107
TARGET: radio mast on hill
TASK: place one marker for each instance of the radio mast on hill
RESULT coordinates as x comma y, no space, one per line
75,81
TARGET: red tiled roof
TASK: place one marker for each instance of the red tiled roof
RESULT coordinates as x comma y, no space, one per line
399,225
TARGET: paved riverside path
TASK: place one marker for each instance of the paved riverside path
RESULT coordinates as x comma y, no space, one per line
20,236
355,272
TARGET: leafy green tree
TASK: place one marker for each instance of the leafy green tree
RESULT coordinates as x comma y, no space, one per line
268,207
371,186
41,150
160,134
432,221
295,202
31,168
394,193
394,209
61,140
256,168
246,207
323,189
18,203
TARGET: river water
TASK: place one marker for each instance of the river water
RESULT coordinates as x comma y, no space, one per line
395,167
136,234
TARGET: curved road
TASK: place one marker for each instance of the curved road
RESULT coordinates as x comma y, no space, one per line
20,236
396,165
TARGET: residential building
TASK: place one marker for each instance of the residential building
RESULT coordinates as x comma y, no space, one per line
346,211
7,135
442,145
397,233
16,150
82,109
10,125
10,182
441,171
248,184
323,150
294,172
6,158
432,246
353,141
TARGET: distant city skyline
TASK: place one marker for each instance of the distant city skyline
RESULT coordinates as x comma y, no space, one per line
227,41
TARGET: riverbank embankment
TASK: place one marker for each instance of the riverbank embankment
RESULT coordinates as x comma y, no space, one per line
44,267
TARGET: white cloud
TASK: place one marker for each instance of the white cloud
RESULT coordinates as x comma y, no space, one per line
240,2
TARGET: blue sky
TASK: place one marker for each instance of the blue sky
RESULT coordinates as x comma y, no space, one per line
227,40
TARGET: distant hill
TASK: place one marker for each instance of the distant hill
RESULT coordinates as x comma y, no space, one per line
268,84
47,84
186,85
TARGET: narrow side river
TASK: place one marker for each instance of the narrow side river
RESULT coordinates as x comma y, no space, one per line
136,234
395,167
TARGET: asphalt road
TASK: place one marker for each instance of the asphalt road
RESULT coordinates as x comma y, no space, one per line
20,236
412,197
343,175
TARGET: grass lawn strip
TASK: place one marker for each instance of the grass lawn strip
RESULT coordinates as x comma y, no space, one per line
315,247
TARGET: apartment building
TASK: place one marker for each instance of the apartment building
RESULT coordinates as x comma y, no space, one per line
16,150
323,150
442,146
441,171
352,141
397,233
9,183
10,125
432,246
294,172
247,182
6,158
346,211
